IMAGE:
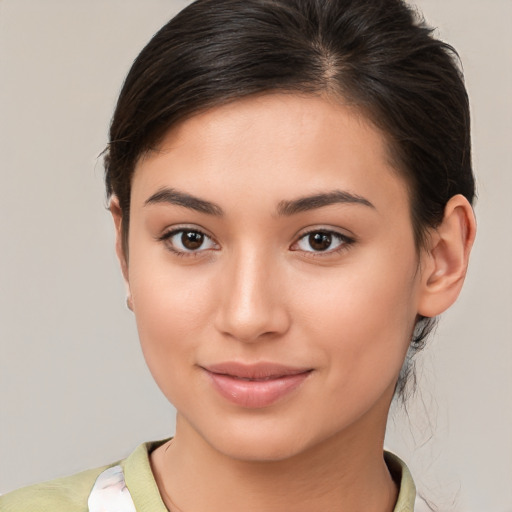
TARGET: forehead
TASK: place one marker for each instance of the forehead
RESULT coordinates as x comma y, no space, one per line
278,145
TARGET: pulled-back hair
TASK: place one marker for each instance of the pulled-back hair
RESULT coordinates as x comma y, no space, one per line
377,55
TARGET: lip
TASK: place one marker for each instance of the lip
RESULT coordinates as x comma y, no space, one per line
255,385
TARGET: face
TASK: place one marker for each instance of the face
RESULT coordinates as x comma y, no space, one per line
273,275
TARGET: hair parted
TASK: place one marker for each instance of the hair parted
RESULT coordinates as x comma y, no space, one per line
377,55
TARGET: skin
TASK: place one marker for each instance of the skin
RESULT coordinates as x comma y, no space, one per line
257,290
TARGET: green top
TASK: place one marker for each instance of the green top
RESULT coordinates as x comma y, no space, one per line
70,494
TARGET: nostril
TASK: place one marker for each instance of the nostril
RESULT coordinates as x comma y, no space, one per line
253,323
252,306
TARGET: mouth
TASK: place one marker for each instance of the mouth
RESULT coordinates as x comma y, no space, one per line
256,385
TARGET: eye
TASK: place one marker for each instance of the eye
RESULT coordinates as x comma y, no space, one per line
182,241
321,241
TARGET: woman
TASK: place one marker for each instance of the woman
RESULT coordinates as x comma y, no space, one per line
291,187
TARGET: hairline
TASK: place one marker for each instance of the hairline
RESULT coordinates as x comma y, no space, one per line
153,144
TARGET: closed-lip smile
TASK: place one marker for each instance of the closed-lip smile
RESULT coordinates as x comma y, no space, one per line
255,385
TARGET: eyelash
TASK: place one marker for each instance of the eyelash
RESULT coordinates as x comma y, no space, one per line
167,237
344,242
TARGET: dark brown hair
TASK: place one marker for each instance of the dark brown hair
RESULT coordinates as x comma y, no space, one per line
378,55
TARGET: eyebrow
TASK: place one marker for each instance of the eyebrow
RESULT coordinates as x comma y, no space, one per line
286,208
172,196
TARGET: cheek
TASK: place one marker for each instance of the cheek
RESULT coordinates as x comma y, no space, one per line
173,308
362,316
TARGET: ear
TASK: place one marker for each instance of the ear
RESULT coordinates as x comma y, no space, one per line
445,261
117,215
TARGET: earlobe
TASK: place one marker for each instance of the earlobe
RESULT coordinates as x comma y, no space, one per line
445,262
117,216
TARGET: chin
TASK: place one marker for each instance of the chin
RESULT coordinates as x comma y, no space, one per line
262,440
266,449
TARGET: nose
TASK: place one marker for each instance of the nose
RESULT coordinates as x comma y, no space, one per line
253,304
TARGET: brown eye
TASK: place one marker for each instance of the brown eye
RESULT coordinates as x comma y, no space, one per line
192,240
184,241
320,241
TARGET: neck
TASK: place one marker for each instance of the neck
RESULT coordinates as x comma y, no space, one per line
341,474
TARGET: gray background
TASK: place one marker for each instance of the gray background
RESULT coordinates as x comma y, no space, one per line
74,391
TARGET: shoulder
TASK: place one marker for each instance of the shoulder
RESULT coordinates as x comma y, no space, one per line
67,494
71,494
